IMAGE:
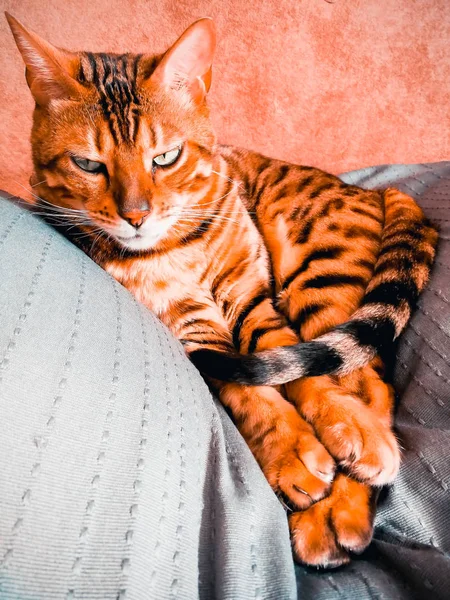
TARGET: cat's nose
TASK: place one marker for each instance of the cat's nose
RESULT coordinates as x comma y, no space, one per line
135,217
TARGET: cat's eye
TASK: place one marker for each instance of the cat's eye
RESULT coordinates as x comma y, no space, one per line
168,158
91,166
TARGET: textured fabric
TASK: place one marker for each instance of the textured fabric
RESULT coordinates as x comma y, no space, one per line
110,444
410,555
338,84
120,478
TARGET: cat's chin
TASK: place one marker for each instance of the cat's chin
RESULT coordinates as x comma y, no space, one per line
137,242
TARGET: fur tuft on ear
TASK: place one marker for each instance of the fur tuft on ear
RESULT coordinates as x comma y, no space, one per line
188,63
50,71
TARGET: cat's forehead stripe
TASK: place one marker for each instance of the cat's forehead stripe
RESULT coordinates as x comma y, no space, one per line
115,79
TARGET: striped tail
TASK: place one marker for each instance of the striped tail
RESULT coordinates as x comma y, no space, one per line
402,270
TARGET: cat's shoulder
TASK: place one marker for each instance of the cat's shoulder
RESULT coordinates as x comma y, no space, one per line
252,167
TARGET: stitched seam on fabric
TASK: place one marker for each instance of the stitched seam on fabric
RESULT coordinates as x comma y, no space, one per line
430,344
41,442
433,320
431,167
140,464
84,532
417,515
157,547
432,469
214,487
182,358
422,385
26,307
425,362
405,540
10,228
439,294
174,587
373,595
332,583
253,553
428,584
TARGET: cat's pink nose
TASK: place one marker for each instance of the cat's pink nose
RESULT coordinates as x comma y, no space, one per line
135,217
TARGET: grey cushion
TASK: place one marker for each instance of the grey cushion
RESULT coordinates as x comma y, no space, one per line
120,476
409,557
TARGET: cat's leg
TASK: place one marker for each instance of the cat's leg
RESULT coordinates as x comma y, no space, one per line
295,463
353,418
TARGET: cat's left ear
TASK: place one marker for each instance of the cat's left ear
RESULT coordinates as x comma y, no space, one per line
188,63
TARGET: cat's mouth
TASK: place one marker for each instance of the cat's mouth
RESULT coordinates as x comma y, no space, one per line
138,241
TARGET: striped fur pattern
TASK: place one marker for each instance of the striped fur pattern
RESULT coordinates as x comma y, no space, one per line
268,272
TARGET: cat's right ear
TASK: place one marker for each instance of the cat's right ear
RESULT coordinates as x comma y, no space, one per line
50,71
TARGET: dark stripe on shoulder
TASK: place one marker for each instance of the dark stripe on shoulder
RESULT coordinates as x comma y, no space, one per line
245,312
301,211
303,184
335,204
322,188
305,231
335,280
264,164
281,174
282,192
351,191
197,321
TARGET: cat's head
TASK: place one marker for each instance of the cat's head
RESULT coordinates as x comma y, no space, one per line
125,140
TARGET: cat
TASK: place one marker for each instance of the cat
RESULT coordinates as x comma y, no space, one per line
284,284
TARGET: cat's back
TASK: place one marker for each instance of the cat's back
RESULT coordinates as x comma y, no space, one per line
271,187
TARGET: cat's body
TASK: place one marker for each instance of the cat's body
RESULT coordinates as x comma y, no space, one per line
238,254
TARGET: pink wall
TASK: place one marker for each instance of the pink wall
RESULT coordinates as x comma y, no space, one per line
339,84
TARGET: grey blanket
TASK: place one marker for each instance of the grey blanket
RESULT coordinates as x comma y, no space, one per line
121,478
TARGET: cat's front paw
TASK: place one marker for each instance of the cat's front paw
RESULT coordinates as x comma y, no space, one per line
363,445
325,534
296,464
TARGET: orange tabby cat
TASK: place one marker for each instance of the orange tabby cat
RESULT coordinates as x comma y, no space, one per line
246,259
